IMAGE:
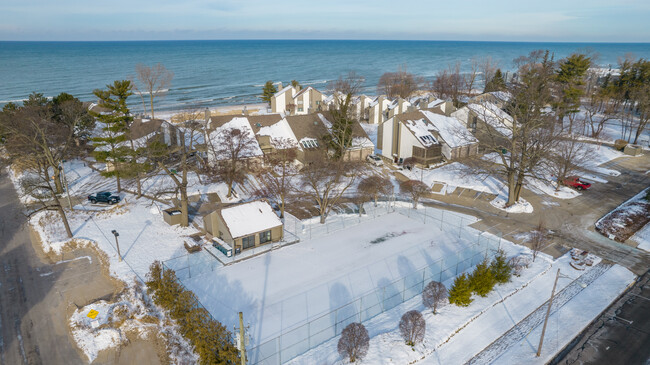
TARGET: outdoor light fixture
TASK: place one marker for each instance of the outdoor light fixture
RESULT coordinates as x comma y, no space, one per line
114,232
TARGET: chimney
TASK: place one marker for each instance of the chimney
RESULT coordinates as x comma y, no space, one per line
207,115
279,85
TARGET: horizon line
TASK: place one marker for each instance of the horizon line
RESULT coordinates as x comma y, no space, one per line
322,39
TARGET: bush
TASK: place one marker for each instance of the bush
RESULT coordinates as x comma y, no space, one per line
354,342
434,294
211,340
482,281
412,327
461,292
501,271
518,264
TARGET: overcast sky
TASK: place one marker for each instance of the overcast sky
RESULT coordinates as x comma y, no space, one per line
497,20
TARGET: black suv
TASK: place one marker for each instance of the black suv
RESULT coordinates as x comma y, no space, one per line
104,197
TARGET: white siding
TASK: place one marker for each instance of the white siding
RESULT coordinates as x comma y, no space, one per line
407,142
387,138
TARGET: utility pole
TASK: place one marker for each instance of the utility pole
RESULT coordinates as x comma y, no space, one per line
242,342
548,312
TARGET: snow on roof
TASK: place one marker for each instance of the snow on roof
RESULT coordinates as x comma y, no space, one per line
277,131
493,116
249,218
502,95
244,126
450,129
420,129
435,103
303,91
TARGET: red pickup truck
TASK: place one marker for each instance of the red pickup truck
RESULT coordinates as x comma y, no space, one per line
575,182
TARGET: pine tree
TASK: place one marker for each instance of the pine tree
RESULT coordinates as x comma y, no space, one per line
497,83
481,280
110,145
268,91
461,292
570,78
500,269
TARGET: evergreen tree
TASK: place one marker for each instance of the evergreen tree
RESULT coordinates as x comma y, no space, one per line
481,280
570,78
36,99
500,269
497,83
110,146
268,91
296,84
461,292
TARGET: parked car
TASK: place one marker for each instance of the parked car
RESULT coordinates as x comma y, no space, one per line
375,160
104,197
575,182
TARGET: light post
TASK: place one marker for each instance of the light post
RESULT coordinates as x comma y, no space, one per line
114,232
548,311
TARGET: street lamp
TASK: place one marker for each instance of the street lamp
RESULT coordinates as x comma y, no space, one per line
550,304
114,232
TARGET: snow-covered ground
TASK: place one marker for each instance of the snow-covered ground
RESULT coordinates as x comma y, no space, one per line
455,335
289,286
642,237
570,319
143,235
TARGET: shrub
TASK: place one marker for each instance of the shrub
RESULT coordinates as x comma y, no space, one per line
211,340
412,327
518,264
482,281
354,342
434,294
501,271
461,292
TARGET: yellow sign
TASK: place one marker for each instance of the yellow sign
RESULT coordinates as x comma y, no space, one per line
92,314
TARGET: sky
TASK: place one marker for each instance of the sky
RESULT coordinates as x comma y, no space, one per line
480,20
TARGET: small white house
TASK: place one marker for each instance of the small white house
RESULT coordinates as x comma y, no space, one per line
377,110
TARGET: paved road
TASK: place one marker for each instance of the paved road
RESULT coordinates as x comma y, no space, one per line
572,221
620,336
36,297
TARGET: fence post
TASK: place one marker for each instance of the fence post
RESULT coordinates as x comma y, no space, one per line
460,227
424,272
189,270
425,214
309,334
442,218
360,307
383,296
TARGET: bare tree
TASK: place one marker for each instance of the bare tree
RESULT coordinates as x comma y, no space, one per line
415,189
154,80
449,84
354,342
519,141
177,161
569,155
433,295
231,150
374,186
326,180
412,327
599,108
487,67
399,84
538,239
470,77
641,95
277,178
39,144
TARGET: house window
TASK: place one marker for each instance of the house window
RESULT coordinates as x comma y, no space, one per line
248,242
220,235
317,102
299,109
473,123
309,143
265,236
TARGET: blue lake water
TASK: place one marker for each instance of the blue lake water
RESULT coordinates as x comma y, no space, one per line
213,73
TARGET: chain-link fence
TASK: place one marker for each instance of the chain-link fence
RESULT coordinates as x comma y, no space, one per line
295,341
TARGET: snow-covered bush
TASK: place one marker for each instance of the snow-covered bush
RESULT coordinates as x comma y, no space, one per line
433,295
354,342
412,327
